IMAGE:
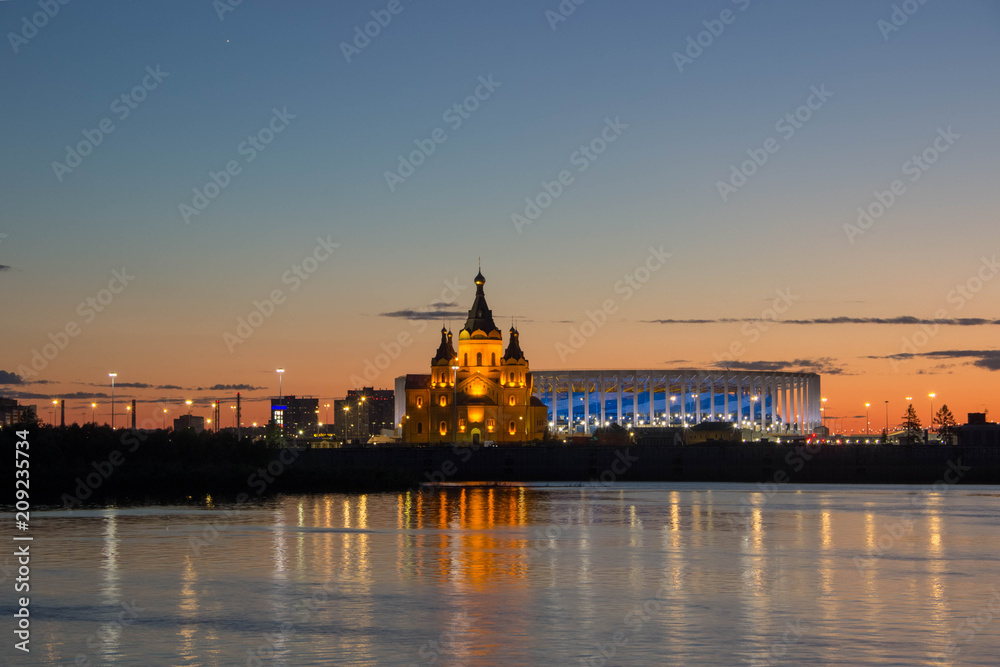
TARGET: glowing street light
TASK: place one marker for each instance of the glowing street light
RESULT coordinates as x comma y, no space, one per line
867,417
280,372
93,414
112,376
930,424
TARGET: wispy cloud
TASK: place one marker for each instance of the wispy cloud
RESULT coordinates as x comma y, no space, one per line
426,314
10,378
231,387
988,359
824,365
901,320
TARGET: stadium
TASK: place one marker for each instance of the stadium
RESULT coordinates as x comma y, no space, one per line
580,401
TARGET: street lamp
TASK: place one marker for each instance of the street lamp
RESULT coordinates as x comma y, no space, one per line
867,416
887,422
112,376
930,424
54,404
93,414
188,403
327,406
280,372
164,419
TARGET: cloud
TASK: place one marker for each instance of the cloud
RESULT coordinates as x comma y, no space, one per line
137,385
4,267
824,365
10,378
231,387
77,395
901,320
988,359
434,312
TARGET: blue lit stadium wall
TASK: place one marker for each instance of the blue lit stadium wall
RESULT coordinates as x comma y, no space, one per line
769,401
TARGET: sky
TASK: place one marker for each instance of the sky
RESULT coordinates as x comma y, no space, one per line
782,185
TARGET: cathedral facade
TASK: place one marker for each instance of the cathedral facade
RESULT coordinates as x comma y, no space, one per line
478,393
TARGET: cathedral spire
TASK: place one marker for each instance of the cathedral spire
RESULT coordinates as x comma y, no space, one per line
480,316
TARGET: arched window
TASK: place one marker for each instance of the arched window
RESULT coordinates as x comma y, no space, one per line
493,359
420,402
512,377
420,427
513,428
444,400
479,358
443,428
465,359
513,400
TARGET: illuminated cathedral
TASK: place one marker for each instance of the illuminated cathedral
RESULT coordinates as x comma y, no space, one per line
479,393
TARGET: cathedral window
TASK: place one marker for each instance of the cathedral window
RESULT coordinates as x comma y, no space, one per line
493,359
444,401
420,401
443,428
513,428
420,427
513,400
479,358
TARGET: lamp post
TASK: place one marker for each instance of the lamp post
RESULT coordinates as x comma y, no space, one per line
887,421
164,419
93,414
347,424
112,376
54,404
868,407
327,406
930,424
280,372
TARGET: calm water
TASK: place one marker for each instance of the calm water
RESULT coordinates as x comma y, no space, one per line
648,574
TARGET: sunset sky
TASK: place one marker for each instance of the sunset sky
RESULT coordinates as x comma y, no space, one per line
646,126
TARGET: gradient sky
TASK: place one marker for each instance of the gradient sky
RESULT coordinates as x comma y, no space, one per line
323,176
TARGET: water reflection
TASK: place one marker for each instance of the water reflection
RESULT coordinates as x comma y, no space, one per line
472,575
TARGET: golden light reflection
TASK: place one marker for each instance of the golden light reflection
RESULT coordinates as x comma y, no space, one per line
188,611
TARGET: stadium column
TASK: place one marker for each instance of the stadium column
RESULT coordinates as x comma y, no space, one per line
618,386
635,399
697,398
603,400
555,405
765,386
586,404
652,399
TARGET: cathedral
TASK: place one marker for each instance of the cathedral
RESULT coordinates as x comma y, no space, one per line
480,393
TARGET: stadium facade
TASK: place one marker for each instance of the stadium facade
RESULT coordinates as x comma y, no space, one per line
769,402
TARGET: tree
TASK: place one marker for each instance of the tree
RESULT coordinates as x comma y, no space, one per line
911,423
945,422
